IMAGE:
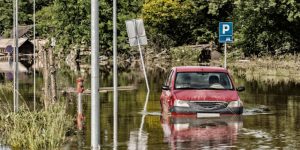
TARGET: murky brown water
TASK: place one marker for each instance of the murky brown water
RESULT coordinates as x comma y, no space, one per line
138,130
277,129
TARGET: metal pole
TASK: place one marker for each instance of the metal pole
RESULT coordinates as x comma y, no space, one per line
143,65
14,49
34,67
142,59
115,77
95,116
16,60
225,57
143,117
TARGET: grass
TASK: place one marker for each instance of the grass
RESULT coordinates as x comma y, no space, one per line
275,69
43,129
27,129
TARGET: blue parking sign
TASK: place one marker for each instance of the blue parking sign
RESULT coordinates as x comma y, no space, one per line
225,32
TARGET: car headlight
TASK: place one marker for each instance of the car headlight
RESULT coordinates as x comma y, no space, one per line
179,127
237,103
181,103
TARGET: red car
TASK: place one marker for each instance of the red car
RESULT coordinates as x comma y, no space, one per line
204,91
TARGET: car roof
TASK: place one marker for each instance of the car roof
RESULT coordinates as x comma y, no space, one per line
199,69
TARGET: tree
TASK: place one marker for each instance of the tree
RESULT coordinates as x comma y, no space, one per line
69,22
6,9
270,26
25,9
185,21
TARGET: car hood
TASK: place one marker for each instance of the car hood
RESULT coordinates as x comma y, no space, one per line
206,95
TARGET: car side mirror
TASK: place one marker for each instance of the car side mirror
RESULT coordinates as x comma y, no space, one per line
164,87
240,88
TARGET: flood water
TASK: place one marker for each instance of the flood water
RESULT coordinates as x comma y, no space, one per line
278,128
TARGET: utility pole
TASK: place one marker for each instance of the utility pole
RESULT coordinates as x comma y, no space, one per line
34,63
95,116
16,59
115,76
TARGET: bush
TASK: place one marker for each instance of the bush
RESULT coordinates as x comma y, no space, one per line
185,53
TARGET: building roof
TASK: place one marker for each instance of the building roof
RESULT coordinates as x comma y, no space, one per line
199,69
22,30
5,42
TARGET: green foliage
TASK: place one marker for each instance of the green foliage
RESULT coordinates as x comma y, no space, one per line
66,20
6,9
260,27
69,22
165,20
267,26
184,21
25,9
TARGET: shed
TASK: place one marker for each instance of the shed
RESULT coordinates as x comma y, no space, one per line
25,46
25,51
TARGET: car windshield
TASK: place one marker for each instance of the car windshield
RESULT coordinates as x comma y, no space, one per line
202,80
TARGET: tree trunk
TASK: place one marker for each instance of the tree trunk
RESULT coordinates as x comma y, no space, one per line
46,79
52,76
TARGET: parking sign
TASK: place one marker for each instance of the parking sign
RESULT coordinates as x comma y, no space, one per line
225,32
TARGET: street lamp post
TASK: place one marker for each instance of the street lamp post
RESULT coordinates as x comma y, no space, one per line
95,116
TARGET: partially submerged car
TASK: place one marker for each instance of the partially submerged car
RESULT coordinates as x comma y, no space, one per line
204,91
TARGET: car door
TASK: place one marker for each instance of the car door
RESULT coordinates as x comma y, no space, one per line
166,93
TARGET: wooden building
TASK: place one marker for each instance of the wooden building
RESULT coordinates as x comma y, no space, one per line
25,51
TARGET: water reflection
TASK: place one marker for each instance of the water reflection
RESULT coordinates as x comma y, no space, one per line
190,132
138,141
2,147
137,129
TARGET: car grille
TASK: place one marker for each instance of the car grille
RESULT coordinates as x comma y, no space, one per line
208,105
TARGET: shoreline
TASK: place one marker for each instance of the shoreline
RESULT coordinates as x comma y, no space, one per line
268,69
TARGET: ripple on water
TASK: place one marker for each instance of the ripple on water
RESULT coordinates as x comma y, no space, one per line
255,111
3,147
150,113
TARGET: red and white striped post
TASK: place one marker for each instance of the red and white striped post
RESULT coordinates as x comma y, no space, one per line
80,90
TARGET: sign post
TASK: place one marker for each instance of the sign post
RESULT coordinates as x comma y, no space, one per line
225,36
137,37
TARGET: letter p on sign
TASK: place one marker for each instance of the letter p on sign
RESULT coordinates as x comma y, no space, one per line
225,28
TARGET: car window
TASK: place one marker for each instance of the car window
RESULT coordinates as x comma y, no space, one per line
169,79
202,80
